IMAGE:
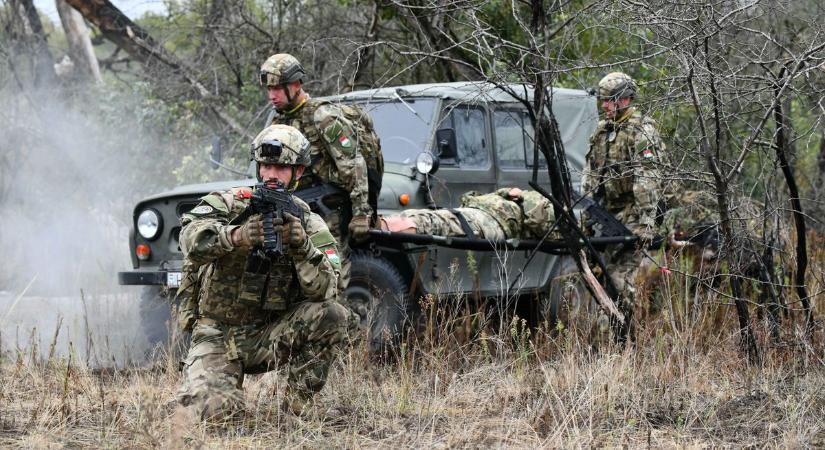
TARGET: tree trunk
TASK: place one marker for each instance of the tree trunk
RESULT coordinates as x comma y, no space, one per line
44,74
782,150
366,53
80,44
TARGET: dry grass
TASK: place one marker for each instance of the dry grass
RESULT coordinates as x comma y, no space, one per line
487,393
683,383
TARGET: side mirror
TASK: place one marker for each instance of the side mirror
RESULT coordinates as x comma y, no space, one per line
216,154
445,143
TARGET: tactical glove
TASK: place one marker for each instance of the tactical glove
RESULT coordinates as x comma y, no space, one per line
294,237
249,234
358,227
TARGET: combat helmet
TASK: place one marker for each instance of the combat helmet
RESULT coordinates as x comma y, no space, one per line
280,144
616,85
281,68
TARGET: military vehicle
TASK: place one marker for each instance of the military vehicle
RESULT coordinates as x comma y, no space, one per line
438,141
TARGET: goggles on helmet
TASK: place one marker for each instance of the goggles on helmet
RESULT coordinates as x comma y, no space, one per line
291,74
268,79
271,149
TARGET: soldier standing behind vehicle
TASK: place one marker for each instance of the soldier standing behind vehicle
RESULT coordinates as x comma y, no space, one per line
345,151
621,172
254,311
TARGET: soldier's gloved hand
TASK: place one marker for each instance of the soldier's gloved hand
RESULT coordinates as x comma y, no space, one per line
294,237
249,234
359,227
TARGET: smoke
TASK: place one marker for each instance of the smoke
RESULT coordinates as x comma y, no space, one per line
67,190
72,166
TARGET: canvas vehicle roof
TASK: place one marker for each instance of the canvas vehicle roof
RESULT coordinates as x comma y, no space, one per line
466,91
575,109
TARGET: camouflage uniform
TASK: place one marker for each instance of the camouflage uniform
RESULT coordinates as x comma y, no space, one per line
493,217
621,172
335,157
694,216
254,313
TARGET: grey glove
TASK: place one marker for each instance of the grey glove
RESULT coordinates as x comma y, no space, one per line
293,236
358,227
249,234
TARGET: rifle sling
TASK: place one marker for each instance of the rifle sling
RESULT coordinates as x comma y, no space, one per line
465,226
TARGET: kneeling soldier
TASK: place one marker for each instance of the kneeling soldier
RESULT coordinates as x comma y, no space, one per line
256,309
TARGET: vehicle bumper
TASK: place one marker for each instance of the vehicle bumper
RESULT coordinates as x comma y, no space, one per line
166,278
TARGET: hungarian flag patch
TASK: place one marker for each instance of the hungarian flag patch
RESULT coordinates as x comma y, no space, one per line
345,142
332,255
647,153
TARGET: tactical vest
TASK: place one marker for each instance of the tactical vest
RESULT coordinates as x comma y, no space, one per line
366,141
612,162
241,287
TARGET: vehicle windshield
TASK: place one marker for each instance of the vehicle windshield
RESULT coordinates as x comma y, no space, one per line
404,133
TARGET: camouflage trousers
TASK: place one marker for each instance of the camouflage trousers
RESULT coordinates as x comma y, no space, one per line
442,222
333,221
304,340
624,269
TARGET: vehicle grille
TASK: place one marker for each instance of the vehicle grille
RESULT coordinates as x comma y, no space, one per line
185,207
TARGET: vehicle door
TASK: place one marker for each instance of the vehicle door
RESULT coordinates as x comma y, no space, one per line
513,139
466,164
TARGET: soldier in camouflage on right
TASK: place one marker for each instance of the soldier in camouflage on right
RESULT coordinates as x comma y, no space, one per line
622,173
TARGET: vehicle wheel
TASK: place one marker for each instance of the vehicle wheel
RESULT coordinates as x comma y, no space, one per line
155,315
568,301
379,292
156,320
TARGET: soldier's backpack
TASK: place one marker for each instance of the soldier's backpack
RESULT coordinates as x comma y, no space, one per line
369,144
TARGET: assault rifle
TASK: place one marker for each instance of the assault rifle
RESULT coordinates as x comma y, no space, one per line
272,203
606,224
323,199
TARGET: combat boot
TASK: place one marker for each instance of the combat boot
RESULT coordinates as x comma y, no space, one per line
298,403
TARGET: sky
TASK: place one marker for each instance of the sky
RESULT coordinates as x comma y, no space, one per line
132,8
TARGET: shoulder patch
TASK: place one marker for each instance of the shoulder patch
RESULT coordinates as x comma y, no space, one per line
322,239
332,130
242,193
202,209
333,257
217,202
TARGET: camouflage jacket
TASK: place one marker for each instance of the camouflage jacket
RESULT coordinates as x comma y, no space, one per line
528,217
335,156
240,285
622,169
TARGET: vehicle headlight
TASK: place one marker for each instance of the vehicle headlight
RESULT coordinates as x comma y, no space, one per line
149,224
426,163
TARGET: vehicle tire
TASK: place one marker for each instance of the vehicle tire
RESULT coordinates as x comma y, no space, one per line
156,321
568,300
377,288
155,315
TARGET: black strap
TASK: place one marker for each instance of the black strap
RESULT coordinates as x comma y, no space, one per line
465,226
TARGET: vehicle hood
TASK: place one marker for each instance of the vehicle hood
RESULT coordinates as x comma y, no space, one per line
407,170
198,190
